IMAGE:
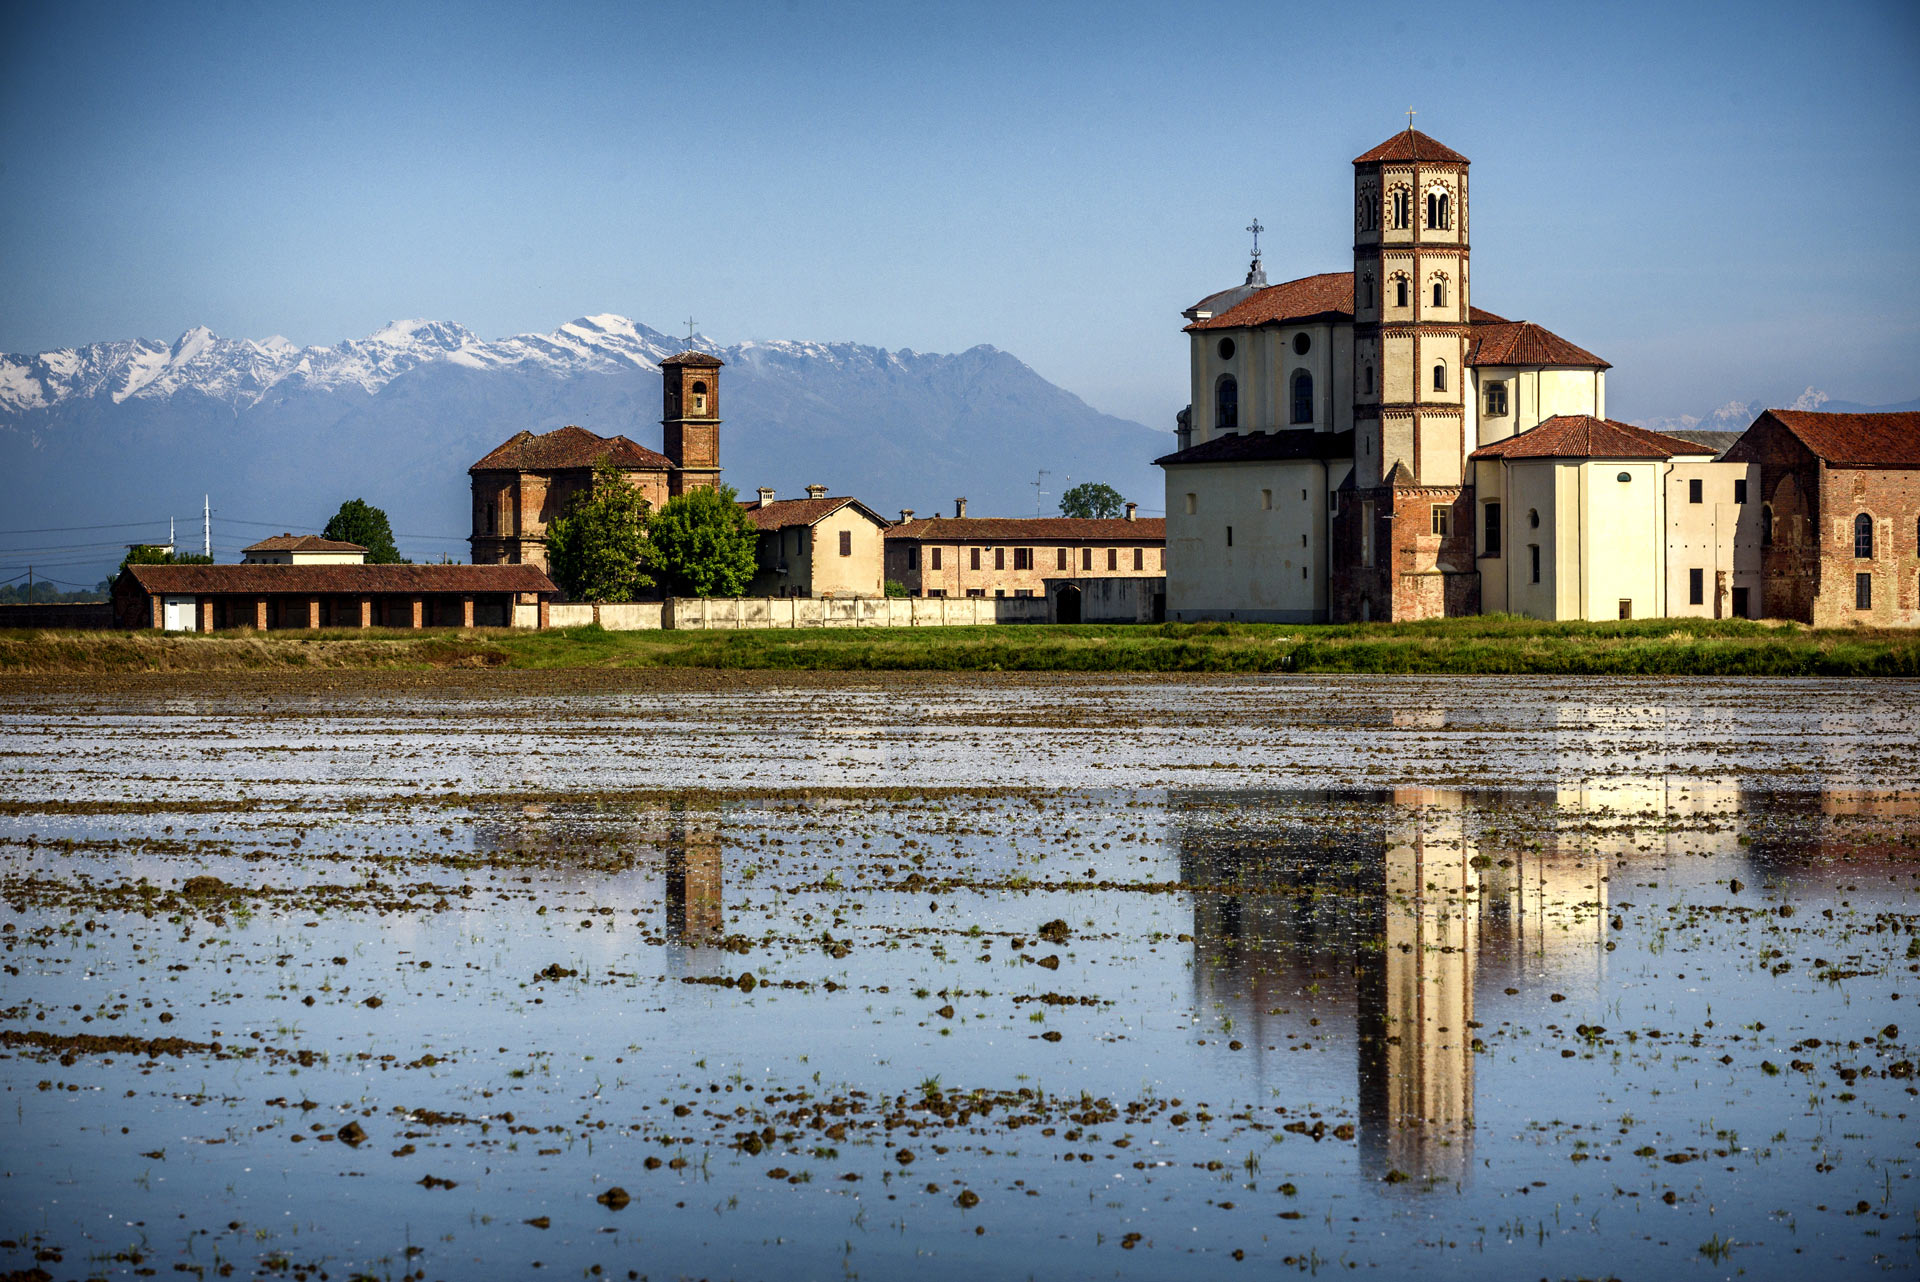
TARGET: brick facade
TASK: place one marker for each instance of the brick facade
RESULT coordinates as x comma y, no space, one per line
1399,568
996,556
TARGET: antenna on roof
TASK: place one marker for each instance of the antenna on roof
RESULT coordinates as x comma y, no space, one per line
1038,493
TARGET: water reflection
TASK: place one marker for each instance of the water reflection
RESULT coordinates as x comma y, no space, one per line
696,912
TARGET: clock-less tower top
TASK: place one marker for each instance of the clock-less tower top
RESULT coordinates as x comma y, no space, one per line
690,420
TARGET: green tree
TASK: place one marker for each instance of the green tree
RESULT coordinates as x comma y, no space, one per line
702,544
360,522
597,548
1091,498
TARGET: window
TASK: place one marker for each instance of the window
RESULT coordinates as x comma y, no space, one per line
1086,554
846,543
1624,477
1229,544
1400,291
1190,505
1740,490
1533,555
1439,293
1303,397
1023,558
1369,380
1694,495
1533,518
1496,400
1059,558
1301,344
1440,518
976,591
913,558
1863,592
1696,587
1366,291
1766,525
936,592
1440,377
1266,500
999,558
975,553
1023,591
1226,405
1439,216
936,557
1739,603
1113,554
699,390
1366,534
1626,607
1226,349
1492,539
1863,537
1402,208
1139,558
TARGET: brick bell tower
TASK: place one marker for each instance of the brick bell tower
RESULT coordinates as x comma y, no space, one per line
690,421
1404,537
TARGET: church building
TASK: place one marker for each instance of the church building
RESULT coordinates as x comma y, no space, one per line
1348,436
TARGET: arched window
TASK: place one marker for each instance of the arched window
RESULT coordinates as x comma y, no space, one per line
699,390
1302,397
1863,536
1439,293
1226,405
1399,291
1402,208
1438,215
1366,291
1440,377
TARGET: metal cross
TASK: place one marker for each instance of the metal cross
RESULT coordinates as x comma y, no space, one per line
1411,113
690,324
1256,229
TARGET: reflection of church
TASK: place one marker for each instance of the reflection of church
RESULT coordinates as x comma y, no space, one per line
1396,908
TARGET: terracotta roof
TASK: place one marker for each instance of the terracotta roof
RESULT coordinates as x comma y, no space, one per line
1263,446
1718,442
1883,440
1584,436
1031,529
783,513
302,543
1525,343
700,359
255,580
1328,295
1481,316
569,447
1411,144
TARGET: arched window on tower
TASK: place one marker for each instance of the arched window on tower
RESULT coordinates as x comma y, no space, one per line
1439,215
1439,293
1402,208
1226,404
1302,397
699,390
1440,377
1863,536
1400,291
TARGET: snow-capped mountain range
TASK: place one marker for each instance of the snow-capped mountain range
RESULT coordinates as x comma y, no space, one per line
1738,416
281,434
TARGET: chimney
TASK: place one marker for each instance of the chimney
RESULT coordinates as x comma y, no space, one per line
766,495
959,509
1130,510
906,514
816,491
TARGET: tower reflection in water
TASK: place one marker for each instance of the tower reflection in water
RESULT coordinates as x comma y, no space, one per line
696,910
1386,917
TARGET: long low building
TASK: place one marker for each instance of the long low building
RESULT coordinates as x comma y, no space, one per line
203,598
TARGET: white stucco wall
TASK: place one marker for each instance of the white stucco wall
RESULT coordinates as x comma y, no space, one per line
1275,570
1717,536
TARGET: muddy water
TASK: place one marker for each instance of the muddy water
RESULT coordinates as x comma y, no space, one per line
815,978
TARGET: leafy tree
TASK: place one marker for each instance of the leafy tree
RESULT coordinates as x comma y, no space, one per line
1092,498
895,587
360,522
702,544
596,548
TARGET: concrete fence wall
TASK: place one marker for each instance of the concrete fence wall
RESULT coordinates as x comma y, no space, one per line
851,612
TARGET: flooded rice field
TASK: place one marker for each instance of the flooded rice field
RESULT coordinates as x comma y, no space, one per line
597,976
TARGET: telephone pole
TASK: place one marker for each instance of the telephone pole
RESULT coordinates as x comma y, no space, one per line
206,528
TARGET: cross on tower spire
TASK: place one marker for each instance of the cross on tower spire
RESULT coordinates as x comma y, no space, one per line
1411,113
1256,229
690,324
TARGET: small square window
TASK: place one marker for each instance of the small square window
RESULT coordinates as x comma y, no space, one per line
1694,488
1266,500
1740,490
1626,607
1442,518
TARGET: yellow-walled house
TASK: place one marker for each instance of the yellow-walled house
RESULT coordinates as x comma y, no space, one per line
1585,518
302,549
817,546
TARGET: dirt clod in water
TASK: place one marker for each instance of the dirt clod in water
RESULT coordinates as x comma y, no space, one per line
1056,931
614,1199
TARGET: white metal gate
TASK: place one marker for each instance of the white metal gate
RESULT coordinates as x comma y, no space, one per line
180,614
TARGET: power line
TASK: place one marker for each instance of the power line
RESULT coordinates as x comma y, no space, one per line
69,529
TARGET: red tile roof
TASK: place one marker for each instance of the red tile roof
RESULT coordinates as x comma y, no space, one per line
1525,343
700,359
569,447
1481,316
1873,440
1411,144
783,513
1265,446
1326,296
350,580
1584,436
1031,529
302,543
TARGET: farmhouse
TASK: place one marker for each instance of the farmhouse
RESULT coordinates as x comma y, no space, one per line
203,598
818,546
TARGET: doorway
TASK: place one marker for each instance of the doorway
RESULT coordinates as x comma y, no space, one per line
1066,605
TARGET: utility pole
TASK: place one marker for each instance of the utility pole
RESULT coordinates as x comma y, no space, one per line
29,596
206,528
1039,493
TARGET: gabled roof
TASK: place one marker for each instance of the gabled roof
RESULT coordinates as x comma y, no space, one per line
1851,440
1525,343
784,513
1411,144
1031,529
700,359
1328,296
1584,436
302,543
1718,442
348,580
1264,447
569,447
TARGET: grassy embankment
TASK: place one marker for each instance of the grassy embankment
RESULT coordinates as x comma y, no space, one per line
1486,644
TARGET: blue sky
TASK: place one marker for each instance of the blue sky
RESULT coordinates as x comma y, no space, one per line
1717,198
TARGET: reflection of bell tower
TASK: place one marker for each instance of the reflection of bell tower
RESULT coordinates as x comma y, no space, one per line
695,911
690,421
